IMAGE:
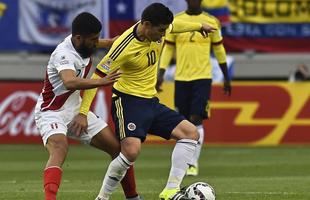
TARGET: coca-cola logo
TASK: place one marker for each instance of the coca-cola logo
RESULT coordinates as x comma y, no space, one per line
17,108
17,114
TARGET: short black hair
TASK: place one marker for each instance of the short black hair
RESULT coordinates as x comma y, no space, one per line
157,14
86,24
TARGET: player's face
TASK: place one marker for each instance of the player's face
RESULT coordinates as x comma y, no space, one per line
155,33
88,45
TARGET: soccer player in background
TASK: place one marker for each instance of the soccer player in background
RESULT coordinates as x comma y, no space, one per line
60,100
193,76
135,109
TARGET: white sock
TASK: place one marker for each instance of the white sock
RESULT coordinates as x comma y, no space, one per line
115,173
195,158
181,157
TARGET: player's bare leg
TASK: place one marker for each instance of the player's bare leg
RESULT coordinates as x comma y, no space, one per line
107,142
187,136
57,146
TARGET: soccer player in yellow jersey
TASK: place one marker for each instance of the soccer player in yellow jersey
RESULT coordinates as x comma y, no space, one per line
135,109
193,76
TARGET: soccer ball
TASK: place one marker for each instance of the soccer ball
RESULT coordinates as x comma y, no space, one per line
200,191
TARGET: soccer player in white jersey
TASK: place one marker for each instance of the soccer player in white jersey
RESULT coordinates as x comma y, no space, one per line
59,103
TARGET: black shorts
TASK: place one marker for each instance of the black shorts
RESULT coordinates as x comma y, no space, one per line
136,116
192,97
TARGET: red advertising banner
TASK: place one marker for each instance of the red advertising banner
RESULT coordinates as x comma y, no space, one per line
257,113
17,102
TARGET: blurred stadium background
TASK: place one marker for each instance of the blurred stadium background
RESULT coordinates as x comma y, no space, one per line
257,142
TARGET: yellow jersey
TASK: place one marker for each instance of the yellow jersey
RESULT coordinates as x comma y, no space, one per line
137,61
192,49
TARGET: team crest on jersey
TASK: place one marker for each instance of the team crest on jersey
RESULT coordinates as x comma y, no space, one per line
131,126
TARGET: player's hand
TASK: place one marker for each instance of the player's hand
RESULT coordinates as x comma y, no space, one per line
111,77
78,125
227,88
206,28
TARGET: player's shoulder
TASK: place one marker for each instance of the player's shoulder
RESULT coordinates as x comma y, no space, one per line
122,43
125,37
65,47
180,14
210,17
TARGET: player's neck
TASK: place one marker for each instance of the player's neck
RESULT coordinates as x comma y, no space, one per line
194,11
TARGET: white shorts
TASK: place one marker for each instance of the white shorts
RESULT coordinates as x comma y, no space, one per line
56,122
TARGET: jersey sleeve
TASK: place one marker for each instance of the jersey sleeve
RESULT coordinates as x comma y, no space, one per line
63,60
216,36
180,26
166,54
110,63
88,97
217,44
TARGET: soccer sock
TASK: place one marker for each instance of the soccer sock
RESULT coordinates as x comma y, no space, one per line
52,178
115,173
129,184
181,156
195,158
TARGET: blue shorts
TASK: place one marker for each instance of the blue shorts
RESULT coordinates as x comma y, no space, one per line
192,97
135,117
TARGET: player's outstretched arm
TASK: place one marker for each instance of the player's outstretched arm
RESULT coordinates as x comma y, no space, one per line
72,82
179,26
220,54
106,43
164,62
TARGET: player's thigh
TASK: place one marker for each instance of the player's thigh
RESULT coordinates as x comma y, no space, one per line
106,140
165,121
50,123
95,125
199,104
132,116
182,97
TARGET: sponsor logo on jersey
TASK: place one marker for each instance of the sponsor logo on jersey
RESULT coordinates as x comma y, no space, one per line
64,62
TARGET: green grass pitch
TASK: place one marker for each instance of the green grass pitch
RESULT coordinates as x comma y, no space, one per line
236,173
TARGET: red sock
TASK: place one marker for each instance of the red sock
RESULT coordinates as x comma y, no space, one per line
52,178
129,183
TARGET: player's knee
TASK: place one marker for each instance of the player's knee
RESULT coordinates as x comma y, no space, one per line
57,146
192,133
186,130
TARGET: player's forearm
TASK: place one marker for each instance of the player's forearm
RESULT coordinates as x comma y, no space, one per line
87,100
105,43
224,70
219,52
77,83
180,26
88,97
161,72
